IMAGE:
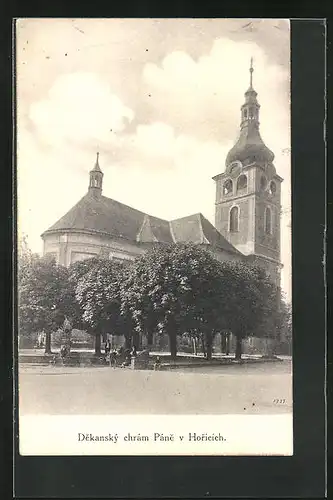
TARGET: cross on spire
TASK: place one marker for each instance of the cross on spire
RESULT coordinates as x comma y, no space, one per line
251,71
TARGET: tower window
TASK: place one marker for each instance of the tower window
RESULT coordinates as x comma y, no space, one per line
272,188
234,219
241,182
268,220
227,187
245,113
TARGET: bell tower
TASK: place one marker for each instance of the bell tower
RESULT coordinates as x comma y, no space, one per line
96,179
248,193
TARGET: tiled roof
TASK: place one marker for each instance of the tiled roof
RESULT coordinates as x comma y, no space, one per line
154,230
197,229
104,215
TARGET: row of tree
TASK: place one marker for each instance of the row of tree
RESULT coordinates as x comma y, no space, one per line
171,290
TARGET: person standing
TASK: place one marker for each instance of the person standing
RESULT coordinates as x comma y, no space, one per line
157,364
113,359
107,348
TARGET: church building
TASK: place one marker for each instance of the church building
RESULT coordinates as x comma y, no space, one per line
101,226
247,213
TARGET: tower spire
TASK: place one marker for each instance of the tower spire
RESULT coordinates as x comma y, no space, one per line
250,145
251,72
97,167
96,178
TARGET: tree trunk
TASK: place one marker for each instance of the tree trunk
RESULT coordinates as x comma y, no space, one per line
209,349
48,343
68,337
239,341
173,344
203,345
227,342
135,340
223,336
127,342
194,344
275,342
270,347
150,339
98,343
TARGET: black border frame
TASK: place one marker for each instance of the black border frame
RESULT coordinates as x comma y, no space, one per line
302,475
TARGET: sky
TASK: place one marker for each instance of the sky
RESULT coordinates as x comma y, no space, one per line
159,99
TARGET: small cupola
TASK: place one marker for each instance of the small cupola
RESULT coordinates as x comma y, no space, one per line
96,179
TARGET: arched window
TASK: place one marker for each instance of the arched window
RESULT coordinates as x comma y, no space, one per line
272,188
268,220
234,219
241,182
245,114
227,187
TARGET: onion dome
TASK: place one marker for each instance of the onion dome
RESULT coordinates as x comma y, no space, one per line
249,146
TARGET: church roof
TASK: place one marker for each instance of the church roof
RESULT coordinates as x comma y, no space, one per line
110,217
197,229
249,145
102,215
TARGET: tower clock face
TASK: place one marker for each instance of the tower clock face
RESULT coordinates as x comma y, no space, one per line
235,168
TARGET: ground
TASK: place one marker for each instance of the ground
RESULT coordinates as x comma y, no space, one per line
261,388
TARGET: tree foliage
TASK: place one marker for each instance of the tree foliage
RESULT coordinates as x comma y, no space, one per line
97,292
76,271
43,295
252,298
172,289
175,289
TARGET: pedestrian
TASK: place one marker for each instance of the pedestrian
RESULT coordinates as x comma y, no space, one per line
107,347
64,352
157,364
113,359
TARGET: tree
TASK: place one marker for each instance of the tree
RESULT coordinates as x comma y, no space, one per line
173,289
43,298
252,298
98,295
279,324
286,327
76,271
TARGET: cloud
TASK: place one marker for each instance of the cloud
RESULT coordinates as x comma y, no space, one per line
81,115
200,97
79,107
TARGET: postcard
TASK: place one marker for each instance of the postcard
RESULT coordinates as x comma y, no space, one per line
154,237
